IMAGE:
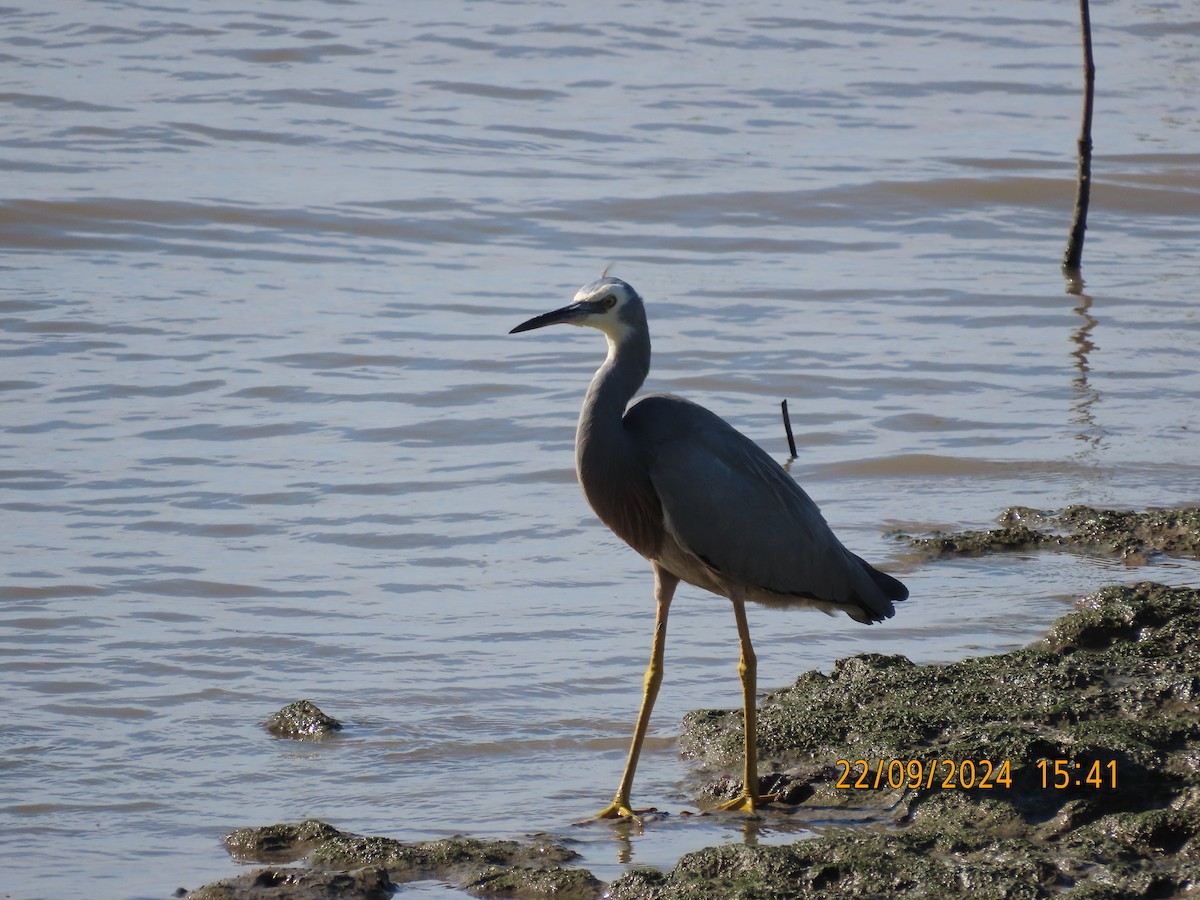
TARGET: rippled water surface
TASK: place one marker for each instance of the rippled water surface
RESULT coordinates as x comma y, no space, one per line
263,434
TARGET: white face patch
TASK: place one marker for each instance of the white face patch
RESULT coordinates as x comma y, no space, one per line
609,321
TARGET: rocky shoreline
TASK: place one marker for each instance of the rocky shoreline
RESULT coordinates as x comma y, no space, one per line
1070,767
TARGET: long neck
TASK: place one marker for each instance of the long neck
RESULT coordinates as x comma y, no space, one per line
615,382
611,472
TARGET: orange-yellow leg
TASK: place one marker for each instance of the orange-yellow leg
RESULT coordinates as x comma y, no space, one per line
749,799
620,808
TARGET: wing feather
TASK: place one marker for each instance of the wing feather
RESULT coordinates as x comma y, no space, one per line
730,504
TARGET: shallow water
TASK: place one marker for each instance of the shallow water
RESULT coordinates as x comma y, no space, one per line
264,435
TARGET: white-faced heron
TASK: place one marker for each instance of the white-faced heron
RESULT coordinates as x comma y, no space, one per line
704,504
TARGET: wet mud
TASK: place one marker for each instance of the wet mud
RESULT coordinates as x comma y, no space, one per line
1069,768
1135,536
345,865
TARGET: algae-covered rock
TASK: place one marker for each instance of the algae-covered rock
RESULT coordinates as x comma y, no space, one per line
954,847
1116,682
1172,531
278,843
454,859
844,864
301,719
525,883
1135,536
1097,728
299,884
1012,537
521,870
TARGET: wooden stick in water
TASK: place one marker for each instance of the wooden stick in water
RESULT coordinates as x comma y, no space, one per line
1073,257
787,427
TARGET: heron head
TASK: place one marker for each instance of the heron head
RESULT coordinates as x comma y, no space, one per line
609,304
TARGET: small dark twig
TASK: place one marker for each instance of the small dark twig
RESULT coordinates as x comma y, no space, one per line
1073,257
787,426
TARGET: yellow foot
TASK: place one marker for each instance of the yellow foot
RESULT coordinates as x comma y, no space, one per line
619,809
745,803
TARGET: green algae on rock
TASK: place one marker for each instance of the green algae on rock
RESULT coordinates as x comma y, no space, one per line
1099,724
278,843
1131,535
456,858
1118,678
300,884
486,868
527,883
956,846
301,719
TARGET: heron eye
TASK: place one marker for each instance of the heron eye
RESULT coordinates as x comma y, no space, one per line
609,302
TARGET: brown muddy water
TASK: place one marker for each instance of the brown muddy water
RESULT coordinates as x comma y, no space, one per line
263,434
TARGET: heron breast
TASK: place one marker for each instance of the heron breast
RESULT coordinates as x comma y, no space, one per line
630,508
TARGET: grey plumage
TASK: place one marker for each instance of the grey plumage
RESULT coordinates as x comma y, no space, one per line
703,503
730,505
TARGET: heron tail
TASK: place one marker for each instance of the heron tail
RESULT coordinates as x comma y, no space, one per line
892,588
876,605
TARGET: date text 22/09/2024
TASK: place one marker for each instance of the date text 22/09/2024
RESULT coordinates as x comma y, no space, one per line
968,774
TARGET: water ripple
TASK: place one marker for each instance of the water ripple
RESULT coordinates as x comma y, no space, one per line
264,435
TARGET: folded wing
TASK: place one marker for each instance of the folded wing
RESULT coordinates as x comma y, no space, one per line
726,501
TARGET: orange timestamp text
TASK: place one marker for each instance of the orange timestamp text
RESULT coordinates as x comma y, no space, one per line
914,773
1061,774
972,774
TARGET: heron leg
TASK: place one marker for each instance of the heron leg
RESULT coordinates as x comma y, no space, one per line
664,589
749,799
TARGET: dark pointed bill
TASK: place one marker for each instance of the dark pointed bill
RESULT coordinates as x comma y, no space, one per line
571,313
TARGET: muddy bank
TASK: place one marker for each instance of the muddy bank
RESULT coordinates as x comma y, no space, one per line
1069,767
1135,536
345,865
